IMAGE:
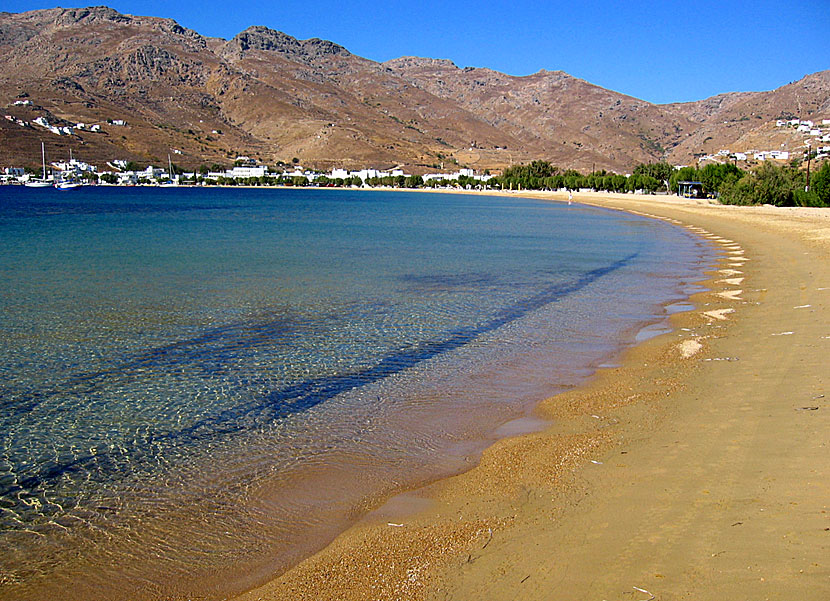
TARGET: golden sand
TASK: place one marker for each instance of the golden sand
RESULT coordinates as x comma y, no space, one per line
699,469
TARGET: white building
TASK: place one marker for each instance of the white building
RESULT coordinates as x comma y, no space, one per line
259,171
454,176
60,131
74,167
779,155
148,174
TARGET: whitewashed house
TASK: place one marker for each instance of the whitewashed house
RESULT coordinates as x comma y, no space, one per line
258,171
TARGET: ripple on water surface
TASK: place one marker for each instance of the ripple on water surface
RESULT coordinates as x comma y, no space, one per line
197,379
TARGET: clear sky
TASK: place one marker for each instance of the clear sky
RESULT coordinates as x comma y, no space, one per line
671,51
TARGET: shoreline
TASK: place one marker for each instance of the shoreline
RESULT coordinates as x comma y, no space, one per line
602,503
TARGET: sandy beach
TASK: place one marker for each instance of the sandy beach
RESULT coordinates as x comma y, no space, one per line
696,469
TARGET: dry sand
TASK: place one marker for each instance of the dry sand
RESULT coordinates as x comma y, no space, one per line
699,469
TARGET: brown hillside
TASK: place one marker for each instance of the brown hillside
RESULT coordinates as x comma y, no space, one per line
268,95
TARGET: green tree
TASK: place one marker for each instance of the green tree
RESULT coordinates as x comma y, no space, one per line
713,175
618,183
573,182
769,184
540,169
820,184
660,171
773,185
738,191
649,184
684,174
414,181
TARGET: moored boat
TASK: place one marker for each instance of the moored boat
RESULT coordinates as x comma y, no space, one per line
40,183
67,185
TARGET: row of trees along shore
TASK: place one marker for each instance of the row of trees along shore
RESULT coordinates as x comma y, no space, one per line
780,185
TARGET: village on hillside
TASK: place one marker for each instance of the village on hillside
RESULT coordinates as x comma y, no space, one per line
814,140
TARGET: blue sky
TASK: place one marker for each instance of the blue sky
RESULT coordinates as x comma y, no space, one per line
672,51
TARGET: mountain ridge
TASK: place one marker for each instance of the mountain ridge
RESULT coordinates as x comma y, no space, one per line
273,97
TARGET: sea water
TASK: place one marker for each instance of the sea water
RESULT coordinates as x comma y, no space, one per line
198,387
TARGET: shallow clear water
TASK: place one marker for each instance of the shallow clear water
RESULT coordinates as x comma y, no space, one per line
194,382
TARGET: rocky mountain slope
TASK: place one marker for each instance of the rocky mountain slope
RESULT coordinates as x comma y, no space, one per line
267,95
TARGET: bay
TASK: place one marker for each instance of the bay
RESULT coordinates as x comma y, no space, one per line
199,382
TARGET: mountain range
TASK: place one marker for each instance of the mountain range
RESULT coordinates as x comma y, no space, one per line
271,97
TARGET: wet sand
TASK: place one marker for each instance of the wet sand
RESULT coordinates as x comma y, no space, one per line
698,469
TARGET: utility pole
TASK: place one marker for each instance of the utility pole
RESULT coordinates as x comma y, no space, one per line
809,156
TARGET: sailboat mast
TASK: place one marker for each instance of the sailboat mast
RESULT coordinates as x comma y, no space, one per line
43,157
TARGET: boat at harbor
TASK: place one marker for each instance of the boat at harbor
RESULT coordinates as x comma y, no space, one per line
67,185
40,183
172,182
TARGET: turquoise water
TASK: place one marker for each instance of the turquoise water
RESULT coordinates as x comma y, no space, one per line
195,383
